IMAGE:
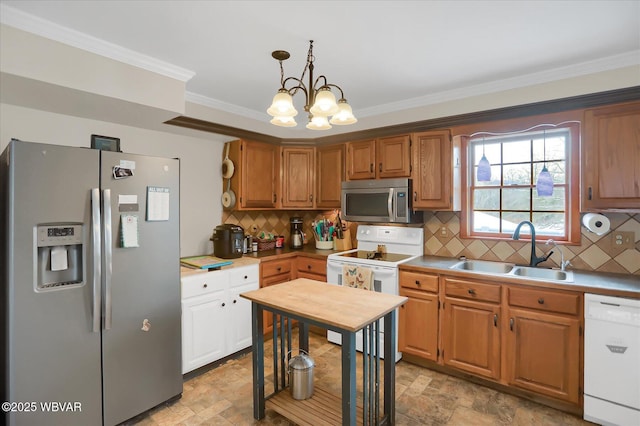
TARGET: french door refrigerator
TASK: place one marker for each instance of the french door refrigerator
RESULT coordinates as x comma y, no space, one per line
90,291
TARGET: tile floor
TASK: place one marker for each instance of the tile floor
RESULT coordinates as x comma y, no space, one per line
222,396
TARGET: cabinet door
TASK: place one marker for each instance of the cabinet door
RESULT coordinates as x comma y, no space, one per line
260,174
329,176
418,325
393,155
267,318
611,158
543,353
432,174
203,337
361,158
471,336
239,321
297,177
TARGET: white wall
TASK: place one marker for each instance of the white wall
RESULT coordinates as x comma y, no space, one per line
200,161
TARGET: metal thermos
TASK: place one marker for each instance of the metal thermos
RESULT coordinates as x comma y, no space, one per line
297,238
301,376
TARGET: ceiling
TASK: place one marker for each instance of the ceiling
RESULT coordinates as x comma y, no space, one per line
388,56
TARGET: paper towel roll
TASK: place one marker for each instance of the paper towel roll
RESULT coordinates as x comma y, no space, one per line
596,223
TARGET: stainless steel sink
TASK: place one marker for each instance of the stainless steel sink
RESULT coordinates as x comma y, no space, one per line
543,274
486,267
511,270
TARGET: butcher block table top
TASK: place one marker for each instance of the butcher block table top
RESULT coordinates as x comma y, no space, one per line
347,308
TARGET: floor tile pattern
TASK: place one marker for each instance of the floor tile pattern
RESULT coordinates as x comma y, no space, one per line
223,396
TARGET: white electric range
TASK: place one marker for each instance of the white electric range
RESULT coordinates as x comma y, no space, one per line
401,244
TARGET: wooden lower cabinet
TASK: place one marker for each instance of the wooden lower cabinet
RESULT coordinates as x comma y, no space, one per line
543,348
525,337
273,272
311,268
471,336
419,324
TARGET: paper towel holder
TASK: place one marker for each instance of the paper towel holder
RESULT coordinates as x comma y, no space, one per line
596,223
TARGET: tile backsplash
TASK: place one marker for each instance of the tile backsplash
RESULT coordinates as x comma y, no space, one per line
595,252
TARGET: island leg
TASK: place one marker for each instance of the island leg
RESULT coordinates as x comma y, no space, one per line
390,367
348,378
258,361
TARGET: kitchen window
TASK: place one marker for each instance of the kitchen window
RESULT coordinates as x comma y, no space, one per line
496,206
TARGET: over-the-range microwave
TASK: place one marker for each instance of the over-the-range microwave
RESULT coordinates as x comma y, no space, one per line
379,201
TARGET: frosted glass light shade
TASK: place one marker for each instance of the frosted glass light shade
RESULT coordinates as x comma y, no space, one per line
318,123
544,185
483,174
284,121
325,103
344,115
282,105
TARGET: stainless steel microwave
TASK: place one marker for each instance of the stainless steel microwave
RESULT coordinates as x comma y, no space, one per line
379,201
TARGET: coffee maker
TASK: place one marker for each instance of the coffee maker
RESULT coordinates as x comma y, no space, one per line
297,237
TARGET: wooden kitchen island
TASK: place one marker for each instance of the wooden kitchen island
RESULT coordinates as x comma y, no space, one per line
341,309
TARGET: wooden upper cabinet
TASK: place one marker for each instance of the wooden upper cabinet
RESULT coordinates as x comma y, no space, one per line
611,158
298,177
256,180
329,175
436,171
388,157
393,155
361,158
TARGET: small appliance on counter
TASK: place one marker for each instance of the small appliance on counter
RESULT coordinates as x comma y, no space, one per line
227,241
297,239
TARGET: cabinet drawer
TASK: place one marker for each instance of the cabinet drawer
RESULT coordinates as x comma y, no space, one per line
311,265
275,267
243,275
199,284
416,281
545,300
472,290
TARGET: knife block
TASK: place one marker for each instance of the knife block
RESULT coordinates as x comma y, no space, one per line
343,244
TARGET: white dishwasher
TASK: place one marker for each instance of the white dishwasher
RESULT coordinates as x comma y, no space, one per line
612,360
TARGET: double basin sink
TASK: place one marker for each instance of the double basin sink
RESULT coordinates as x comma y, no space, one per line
511,270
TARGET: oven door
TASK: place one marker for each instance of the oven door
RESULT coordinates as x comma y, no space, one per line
385,280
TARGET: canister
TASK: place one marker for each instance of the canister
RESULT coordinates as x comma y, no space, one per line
301,376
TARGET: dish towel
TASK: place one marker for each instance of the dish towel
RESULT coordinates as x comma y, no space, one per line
357,277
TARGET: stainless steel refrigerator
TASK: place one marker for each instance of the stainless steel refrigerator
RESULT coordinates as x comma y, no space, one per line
90,290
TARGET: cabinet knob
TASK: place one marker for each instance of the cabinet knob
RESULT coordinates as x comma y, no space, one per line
205,285
371,167
311,197
223,304
495,320
418,283
308,266
235,301
274,197
511,324
380,167
279,268
541,301
471,291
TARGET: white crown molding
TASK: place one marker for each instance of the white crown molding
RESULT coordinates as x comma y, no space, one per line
33,24
591,67
576,70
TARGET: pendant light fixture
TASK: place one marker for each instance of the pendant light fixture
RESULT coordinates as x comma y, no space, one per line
544,185
320,102
483,174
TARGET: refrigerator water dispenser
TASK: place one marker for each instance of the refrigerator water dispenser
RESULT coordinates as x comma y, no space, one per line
59,262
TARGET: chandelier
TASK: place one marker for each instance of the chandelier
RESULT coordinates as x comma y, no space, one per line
320,102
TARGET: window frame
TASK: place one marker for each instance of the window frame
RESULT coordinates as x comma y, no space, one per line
571,185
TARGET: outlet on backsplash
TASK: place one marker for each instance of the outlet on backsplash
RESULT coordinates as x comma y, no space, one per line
622,240
444,232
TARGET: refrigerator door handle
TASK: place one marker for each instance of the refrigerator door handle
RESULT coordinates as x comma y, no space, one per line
97,258
108,256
